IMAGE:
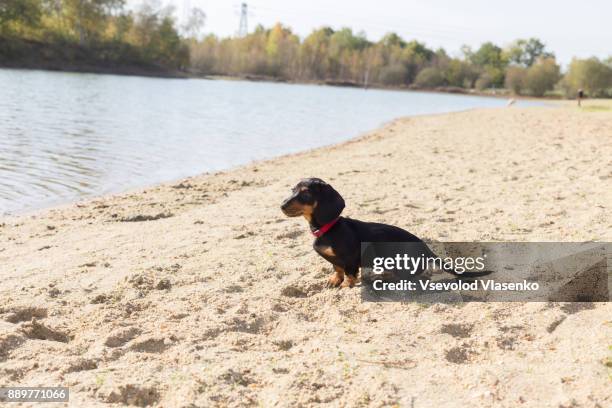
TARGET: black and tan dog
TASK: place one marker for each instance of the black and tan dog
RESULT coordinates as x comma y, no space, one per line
338,239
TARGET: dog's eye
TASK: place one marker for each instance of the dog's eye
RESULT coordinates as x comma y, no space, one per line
305,196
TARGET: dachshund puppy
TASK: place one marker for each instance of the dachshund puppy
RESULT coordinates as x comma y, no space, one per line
339,239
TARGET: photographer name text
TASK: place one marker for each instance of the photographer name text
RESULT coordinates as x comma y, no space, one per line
428,285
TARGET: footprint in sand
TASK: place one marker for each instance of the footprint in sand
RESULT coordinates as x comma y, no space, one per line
120,337
24,313
151,345
39,331
132,394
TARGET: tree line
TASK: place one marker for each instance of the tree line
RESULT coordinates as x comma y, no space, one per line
104,29
525,67
107,31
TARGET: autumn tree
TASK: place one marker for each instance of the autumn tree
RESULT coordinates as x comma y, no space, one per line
104,30
515,79
345,54
88,18
314,53
592,75
156,33
527,52
19,13
542,76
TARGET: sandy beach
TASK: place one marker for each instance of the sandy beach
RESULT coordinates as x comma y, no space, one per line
200,293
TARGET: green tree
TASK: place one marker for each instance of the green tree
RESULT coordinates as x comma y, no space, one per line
592,75
460,73
393,74
488,54
493,62
19,12
454,72
344,50
420,51
122,25
527,52
392,40
542,76
344,40
171,49
430,77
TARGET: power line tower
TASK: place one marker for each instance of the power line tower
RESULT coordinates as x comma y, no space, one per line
243,29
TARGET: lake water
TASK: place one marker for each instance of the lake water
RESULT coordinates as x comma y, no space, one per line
66,136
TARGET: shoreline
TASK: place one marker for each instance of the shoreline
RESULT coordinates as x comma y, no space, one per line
61,203
200,290
503,94
130,71
186,74
166,183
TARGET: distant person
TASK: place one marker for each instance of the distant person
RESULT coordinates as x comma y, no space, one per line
580,96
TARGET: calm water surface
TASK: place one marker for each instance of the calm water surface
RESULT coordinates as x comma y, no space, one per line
66,136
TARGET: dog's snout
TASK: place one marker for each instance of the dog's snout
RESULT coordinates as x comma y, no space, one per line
285,204
290,207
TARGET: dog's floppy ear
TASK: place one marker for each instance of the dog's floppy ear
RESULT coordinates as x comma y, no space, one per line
329,204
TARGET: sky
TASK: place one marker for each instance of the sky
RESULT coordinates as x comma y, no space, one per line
569,28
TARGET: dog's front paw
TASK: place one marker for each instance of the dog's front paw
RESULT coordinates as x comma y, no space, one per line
349,281
335,280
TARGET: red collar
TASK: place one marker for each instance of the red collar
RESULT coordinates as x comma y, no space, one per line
319,233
